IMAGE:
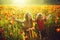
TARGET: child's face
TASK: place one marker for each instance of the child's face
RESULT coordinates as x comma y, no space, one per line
39,16
28,16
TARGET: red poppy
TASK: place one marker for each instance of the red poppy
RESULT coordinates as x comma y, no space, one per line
1,7
58,30
6,14
26,38
20,32
1,30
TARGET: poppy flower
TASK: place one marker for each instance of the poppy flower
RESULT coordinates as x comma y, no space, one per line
21,32
6,14
58,30
26,38
11,34
1,30
0,18
1,7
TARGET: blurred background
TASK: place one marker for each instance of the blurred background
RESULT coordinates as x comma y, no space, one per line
12,30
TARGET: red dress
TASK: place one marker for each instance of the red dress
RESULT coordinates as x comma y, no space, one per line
40,24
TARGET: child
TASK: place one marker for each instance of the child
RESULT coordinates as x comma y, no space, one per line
27,25
40,25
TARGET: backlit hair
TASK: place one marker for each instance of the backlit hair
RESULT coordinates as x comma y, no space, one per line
28,15
38,15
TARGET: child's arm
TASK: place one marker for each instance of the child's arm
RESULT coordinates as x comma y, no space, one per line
18,20
34,20
48,16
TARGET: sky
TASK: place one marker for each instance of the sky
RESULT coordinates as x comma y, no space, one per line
29,2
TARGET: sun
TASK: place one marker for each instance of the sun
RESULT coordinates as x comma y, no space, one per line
19,2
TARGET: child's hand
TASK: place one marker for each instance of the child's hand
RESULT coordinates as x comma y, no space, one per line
13,18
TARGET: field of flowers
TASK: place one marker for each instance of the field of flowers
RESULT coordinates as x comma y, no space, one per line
10,29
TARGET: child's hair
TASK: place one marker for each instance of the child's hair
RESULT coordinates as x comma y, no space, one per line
38,15
27,16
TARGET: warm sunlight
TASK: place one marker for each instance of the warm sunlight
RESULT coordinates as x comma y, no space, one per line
19,2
